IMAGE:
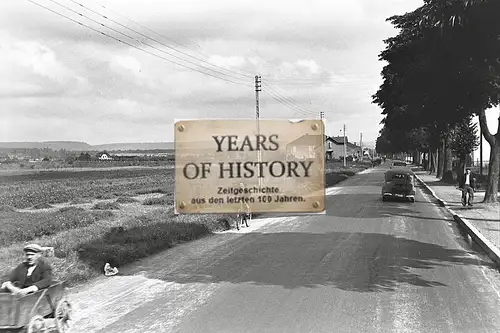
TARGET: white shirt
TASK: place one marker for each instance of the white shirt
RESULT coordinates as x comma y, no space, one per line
467,179
30,270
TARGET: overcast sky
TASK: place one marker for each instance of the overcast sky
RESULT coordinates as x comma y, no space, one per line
62,81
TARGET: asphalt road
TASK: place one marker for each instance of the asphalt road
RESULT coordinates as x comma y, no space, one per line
365,266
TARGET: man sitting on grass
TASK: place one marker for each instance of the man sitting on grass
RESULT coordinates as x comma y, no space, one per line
31,275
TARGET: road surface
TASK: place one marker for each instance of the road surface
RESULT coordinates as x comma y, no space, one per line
365,266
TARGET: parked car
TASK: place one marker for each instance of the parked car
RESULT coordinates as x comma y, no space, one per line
399,183
398,164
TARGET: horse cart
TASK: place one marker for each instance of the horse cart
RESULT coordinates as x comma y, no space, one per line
43,311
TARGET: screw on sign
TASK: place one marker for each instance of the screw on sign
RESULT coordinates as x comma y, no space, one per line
290,159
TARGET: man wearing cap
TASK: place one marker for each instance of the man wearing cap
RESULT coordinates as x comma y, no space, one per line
31,275
468,185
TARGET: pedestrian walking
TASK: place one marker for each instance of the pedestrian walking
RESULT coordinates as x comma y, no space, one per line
467,184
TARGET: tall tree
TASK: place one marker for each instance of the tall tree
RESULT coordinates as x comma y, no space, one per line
443,67
464,142
475,28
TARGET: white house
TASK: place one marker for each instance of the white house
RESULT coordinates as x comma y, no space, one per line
104,156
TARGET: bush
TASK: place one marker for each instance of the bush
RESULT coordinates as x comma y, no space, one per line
122,246
348,173
333,178
22,227
106,206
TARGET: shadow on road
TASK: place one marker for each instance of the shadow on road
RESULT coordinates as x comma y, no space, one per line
362,262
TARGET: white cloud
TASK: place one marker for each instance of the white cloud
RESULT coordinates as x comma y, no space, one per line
309,64
227,62
31,68
129,63
325,50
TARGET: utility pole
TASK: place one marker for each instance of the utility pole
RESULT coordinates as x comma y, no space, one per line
257,116
361,145
345,148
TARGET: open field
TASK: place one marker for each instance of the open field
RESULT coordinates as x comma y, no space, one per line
95,216
52,187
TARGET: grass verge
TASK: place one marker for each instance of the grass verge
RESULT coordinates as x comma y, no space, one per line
106,206
163,200
23,227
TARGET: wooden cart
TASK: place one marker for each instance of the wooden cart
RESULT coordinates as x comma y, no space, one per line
44,311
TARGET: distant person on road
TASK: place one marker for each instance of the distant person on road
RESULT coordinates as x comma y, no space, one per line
33,274
468,185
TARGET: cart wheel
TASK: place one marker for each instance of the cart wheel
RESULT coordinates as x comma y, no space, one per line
37,325
63,316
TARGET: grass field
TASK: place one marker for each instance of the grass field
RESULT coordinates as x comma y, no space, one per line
96,216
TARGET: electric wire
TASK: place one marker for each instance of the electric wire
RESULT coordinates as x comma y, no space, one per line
289,100
134,46
282,81
273,91
137,40
159,42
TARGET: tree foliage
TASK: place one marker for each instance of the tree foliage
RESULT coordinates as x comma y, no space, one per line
464,139
442,68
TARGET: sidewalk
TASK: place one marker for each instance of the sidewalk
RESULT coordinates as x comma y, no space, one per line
485,218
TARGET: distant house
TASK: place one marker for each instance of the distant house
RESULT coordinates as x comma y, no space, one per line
353,150
104,156
306,146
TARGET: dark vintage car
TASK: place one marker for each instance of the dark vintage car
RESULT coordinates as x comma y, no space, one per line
398,164
399,183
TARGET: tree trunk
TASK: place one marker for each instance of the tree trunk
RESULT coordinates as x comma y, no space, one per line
461,167
418,159
432,161
440,166
491,195
448,160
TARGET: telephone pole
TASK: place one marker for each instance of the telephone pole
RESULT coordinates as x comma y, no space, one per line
361,145
345,148
257,115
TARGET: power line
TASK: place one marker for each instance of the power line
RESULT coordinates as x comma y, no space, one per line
287,104
159,42
134,46
273,93
144,27
289,100
121,33
283,81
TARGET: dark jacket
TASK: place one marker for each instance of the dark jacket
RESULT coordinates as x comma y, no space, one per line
40,277
472,179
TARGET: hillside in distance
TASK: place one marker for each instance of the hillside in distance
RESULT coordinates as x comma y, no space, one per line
134,146
83,146
54,145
